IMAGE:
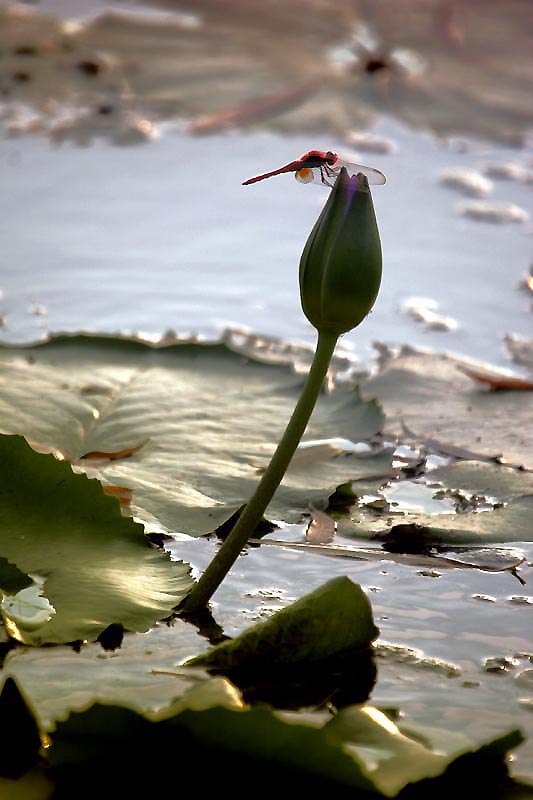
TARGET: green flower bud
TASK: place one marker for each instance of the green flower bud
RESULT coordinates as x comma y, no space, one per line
340,268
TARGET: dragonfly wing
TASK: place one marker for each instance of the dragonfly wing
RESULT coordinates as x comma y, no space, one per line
374,176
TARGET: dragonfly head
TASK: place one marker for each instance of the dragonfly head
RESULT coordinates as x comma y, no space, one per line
331,158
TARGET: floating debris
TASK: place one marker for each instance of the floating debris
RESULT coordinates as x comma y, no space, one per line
466,181
527,280
521,600
122,493
500,664
399,654
115,454
486,598
370,143
424,310
497,213
321,529
37,309
520,349
508,172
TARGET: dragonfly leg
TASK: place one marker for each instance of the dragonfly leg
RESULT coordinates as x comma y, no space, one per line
327,175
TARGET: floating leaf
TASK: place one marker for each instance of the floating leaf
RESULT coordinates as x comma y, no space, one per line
483,478
509,523
431,395
208,414
417,53
141,673
98,567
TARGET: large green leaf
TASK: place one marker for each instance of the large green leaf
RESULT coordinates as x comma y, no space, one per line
207,420
93,566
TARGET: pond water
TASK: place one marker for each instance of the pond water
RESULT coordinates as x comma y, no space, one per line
162,236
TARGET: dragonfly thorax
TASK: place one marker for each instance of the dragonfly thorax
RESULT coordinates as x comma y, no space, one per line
317,158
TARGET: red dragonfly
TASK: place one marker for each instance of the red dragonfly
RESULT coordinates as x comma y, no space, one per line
319,166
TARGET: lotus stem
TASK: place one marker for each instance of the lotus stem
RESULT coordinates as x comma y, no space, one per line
253,512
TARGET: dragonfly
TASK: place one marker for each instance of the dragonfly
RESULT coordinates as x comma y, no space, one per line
319,166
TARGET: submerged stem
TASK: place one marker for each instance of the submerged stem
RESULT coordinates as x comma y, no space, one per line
256,506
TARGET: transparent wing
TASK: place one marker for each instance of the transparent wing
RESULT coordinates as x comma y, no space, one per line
373,175
326,175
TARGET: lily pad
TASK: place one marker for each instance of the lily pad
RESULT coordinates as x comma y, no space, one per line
431,395
96,567
506,517
205,418
141,674
509,523
273,82
483,478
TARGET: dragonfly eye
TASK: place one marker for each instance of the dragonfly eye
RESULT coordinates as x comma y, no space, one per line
330,158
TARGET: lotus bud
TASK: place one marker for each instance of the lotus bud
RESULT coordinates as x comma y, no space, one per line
340,268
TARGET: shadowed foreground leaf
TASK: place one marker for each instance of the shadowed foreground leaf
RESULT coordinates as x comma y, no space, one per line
316,650
21,740
94,566
116,749
335,618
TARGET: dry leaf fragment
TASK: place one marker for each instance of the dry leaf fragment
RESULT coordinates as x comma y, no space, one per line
122,493
498,381
321,529
254,110
96,388
113,455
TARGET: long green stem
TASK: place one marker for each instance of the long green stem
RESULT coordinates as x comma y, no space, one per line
256,506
